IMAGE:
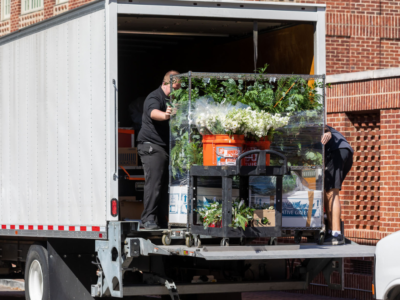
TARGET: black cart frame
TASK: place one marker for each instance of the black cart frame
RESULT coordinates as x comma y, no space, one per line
227,173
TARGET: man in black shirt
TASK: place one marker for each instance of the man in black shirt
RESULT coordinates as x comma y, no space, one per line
338,162
154,152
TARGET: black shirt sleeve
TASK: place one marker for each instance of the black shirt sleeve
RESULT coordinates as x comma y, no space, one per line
327,129
150,105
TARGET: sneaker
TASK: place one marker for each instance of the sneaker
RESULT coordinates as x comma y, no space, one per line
150,225
334,240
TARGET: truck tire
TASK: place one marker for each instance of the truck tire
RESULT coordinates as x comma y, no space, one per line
37,285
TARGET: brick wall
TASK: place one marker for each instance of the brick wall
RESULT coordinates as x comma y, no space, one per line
390,170
360,195
364,95
14,15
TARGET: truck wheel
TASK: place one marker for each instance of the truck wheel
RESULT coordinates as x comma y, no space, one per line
37,285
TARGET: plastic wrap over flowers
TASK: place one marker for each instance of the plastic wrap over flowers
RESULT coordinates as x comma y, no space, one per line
222,118
300,139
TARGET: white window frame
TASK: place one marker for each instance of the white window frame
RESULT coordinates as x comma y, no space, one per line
5,13
61,1
29,6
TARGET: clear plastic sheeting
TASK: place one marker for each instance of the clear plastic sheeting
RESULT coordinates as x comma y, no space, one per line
294,106
302,197
300,140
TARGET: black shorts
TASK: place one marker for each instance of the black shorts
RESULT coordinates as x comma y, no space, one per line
338,163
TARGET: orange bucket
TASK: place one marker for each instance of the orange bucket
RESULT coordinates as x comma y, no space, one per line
222,149
262,144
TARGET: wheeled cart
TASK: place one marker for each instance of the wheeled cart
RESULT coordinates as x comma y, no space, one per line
288,174
227,173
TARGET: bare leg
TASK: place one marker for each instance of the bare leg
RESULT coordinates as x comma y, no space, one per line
332,202
328,212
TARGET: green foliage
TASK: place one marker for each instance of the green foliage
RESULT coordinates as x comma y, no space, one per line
211,214
286,95
241,214
186,154
187,148
301,140
264,221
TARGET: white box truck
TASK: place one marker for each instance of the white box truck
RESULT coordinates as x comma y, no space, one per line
61,83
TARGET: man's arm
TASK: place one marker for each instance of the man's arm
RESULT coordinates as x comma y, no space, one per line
159,115
153,109
327,135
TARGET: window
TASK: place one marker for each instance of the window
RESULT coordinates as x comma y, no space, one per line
5,9
61,1
31,5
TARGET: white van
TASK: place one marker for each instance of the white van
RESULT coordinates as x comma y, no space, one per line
387,268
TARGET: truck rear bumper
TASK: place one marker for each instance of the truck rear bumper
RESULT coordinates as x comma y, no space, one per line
212,288
252,252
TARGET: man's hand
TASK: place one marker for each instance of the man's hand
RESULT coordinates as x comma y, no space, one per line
168,113
326,137
159,115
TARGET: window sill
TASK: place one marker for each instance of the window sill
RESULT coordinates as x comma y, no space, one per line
60,8
25,13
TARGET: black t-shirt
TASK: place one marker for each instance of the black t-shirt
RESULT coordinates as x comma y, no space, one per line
156,132
337,141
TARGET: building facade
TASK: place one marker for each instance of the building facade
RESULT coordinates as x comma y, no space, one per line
363,66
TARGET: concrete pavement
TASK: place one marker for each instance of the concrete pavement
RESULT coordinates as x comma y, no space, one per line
7,293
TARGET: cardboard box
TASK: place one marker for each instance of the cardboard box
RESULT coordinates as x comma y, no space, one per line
302,209
128,157
259,214
130,208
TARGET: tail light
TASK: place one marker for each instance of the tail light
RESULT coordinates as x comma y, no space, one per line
114,207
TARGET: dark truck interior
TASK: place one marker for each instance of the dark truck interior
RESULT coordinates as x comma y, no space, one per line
148,47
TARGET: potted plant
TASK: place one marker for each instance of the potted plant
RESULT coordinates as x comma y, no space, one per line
211,215
241,215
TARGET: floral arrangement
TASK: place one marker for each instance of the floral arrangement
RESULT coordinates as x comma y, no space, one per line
211,214
215,118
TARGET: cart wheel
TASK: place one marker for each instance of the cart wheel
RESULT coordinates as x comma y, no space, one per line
198,243
297,237
273,241
166,240
189,241
225,242
321,239
311,239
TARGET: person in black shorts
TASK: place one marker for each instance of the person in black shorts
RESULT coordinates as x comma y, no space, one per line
153,149
338,162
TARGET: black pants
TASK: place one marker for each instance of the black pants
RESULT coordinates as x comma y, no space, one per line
337,165
155,161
